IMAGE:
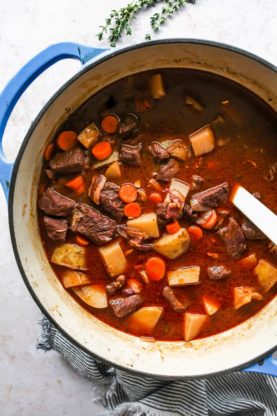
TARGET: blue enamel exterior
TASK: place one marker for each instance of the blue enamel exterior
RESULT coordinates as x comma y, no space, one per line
18,84
15,88
268,366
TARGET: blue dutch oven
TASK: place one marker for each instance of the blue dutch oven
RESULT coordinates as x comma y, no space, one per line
242,347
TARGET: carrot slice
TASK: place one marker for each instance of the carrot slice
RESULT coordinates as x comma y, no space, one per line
195,233
75,183
67,139
48,151
128,193
132,210
155,197
110,123
82,241
102,150
173,227
155,268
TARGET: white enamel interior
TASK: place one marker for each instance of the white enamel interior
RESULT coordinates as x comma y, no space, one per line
201,357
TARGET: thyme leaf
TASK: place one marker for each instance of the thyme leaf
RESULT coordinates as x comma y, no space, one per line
119,22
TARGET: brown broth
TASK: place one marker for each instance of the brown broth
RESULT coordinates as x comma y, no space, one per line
251,129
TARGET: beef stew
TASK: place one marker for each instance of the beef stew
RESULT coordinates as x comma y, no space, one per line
134,207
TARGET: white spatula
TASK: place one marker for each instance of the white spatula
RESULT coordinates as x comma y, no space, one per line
257,212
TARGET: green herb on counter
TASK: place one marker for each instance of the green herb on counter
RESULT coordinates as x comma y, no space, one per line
119,22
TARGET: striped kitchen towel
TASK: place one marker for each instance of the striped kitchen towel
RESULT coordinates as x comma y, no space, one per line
127,394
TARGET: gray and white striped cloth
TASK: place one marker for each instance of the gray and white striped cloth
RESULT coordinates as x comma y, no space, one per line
238,393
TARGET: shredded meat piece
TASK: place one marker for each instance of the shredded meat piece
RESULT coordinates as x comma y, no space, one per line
272,173
125,306
134,237
131,155
233,238
56,228
189,213
71,161
159,153
168,171
210,198
172,208
96,186
92,224
116,285
179,150
53,203
218,272
50,174
197,182
169,295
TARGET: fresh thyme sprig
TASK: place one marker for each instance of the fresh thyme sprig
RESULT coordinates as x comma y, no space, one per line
119,22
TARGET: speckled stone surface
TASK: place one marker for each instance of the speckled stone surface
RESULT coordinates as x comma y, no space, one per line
32,382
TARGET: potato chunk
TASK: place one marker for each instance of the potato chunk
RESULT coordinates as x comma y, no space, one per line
184,276
267,274
113,171
71,256
173,245
93,295
145,319
146,223
71,278
180,187
211,305
157,86
89,135
193,324
202,141
114,258
244,295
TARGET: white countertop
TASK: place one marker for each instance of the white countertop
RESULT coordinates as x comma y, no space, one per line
33,382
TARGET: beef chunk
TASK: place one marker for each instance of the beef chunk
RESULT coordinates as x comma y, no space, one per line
125,306
233,238
111,202
159,153
134,237
71,161
176,305
171,208
128,125
96,186
116,285
218,272
92,224
168,171
197,182
131,155
56,228
210,198
250,231
53,203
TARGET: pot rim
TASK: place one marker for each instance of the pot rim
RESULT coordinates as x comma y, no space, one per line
87,67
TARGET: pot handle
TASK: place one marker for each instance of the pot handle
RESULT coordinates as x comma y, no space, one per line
18,84
266,366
